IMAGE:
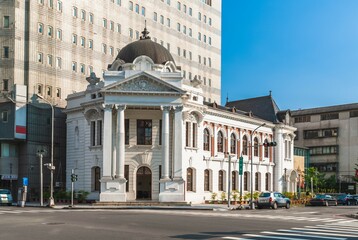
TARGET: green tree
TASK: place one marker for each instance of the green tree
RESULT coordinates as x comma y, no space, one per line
318,179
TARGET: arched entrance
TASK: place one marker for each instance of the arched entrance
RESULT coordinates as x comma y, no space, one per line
144,183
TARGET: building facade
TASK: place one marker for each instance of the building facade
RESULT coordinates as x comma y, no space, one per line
330,134
48,47
146,133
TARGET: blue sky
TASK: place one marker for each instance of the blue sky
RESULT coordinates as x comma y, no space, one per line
304,51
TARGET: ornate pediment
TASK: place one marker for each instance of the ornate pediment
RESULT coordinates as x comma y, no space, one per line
143,84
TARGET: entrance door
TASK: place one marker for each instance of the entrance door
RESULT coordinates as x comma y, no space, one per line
144,183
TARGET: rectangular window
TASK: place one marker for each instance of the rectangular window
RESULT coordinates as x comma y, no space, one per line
155,16
83,15
104,23
130,5
59,6
168,22
99,133
50,3
137,8
178,27
40,28
40,57
93,133
74,66
104,48
59,34
49,60
74,38
187,134
58,92
126,176
119,28
136,35
111,26
58,62
49,31
74,12
4,116
190,11
302,119
126,131
6,52
39,89
143,11
179,6
83,69
210,21
131,33
49,91
90,44
83,42
161,19
119,2
329,116
160,132
194,130
144,132
91,18
6,22
5,84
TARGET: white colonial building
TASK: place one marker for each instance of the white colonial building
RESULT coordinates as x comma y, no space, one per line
143,133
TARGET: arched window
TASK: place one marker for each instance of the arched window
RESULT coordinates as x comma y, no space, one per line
234,180
266,149
220,142
256,147
233,143
189,179
246,183
257,181
267,181
206,180
206,140
244,145
221,181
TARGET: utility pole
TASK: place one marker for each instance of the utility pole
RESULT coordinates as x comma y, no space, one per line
229,183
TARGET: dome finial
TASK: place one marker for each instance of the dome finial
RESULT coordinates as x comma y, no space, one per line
145,32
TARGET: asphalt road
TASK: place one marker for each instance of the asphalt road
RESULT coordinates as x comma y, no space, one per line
99,224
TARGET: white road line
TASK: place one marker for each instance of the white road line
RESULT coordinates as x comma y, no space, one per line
302,235
353,229
275,237
321,230
318,233
233,238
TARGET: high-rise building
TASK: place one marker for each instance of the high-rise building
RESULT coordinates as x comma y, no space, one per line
49,47
330,135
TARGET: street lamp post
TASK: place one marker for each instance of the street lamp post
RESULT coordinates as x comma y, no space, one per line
229,183
252,168
51,167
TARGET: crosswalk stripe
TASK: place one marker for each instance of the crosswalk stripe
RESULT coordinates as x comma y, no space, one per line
317,233
353,229
274,237
320,230
301,235
233,238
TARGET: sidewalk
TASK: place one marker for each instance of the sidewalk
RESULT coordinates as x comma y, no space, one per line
211,207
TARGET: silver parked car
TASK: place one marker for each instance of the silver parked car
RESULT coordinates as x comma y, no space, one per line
5,197
273,200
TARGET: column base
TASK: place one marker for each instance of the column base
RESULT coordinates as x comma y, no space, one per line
113,190
171,190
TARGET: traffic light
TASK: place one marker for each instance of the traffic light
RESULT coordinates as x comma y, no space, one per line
73,177
270,144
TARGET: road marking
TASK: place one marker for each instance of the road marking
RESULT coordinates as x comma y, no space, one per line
353,229
321,230
297,233
274,237
233,238
317,233
305,212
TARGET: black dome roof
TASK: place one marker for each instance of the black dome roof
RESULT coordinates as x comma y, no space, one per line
147,47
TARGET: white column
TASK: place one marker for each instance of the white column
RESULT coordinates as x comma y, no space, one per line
165,141
178,142
107,141
120,141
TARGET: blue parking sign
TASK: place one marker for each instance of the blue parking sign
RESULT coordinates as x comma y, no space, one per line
25,181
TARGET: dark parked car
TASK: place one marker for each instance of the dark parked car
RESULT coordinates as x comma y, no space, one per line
323,200
5,197
346,199
273,200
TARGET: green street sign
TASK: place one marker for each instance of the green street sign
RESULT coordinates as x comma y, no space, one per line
241,163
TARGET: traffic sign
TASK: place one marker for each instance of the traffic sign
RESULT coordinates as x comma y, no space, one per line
241,163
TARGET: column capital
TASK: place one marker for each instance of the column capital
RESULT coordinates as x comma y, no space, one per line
120,107
178,108
107,106
165,108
